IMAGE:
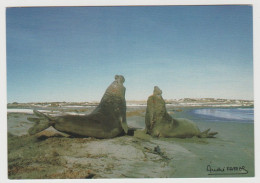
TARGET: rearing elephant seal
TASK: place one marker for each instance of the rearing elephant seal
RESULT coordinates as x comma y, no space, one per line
106,121
160,124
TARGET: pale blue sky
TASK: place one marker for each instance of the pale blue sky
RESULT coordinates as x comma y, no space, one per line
73,53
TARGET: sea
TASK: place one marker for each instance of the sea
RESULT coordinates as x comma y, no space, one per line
240,115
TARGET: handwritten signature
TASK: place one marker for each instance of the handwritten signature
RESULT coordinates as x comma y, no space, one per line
227,170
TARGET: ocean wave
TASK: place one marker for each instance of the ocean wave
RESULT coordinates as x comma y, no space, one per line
246,109
230,114
27,111
73,106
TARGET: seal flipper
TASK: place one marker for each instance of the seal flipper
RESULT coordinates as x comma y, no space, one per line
41,115
124,125
41,124
212,134
206,134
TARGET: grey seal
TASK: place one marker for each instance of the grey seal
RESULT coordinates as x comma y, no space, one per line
108,120
160,124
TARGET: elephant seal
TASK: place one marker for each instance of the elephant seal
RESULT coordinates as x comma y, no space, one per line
108,120
160,124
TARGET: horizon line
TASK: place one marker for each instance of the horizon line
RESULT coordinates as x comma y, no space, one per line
141,100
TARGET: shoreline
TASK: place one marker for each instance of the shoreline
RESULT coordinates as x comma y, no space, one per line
51,154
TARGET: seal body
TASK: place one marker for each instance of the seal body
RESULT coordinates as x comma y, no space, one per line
106,121
160,124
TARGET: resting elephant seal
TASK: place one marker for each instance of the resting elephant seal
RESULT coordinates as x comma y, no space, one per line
160,124
106,121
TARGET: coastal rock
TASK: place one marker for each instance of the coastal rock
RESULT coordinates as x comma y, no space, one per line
160,124
106,121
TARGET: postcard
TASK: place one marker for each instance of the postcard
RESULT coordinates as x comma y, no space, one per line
129,91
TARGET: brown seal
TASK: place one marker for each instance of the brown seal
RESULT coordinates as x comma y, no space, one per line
160,124
106,121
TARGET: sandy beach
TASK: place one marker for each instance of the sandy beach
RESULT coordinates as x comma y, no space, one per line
53,155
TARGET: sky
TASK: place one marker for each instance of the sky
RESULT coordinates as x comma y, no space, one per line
72,53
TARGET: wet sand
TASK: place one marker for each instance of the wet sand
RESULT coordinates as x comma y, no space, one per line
52,155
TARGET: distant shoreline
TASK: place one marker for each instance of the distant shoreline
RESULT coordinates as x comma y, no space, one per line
186,102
